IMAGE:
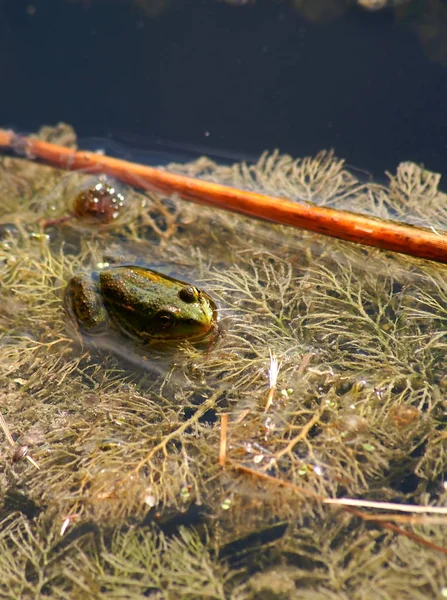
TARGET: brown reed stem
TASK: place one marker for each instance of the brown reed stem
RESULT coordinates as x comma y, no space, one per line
353,227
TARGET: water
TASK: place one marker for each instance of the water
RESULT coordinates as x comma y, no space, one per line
234,79
132,498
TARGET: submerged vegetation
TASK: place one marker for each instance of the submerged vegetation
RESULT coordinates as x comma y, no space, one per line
330,369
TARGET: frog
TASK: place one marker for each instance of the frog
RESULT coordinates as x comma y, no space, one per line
144,305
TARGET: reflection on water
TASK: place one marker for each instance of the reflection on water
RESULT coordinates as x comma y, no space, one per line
238,78
429,21
150,8
379,4
427,18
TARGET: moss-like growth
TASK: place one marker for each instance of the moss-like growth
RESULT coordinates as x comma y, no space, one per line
128,449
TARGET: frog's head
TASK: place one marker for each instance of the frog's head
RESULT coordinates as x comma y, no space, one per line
154,307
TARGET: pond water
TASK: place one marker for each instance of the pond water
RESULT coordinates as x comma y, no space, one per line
204,470
234,80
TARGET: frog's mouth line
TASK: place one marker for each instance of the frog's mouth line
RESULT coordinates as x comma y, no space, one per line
166,341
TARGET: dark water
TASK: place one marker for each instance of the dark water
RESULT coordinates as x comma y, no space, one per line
209,77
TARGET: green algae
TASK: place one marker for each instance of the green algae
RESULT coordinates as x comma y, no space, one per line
130,500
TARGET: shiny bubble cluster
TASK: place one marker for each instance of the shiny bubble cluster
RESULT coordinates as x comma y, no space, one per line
100,204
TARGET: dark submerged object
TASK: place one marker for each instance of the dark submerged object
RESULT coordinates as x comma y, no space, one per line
101,204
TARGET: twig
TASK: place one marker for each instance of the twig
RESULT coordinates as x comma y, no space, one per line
408,519
348,226
301,436
435,510
241,416
357,513
390,526
223,439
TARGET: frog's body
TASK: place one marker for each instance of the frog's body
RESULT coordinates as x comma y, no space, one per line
143,304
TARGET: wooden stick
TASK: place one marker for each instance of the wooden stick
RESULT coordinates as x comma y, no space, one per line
223,439
353,511
353,227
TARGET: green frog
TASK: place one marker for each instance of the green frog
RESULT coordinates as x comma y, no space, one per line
143,304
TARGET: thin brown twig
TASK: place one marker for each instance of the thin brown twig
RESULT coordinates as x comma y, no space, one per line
348,226
301,436
409,519
357,513
223,439
408,534
241,416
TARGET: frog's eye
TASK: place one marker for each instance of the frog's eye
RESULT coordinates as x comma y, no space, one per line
165,320
189,294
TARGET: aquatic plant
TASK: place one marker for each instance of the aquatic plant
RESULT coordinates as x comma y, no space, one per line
329,374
